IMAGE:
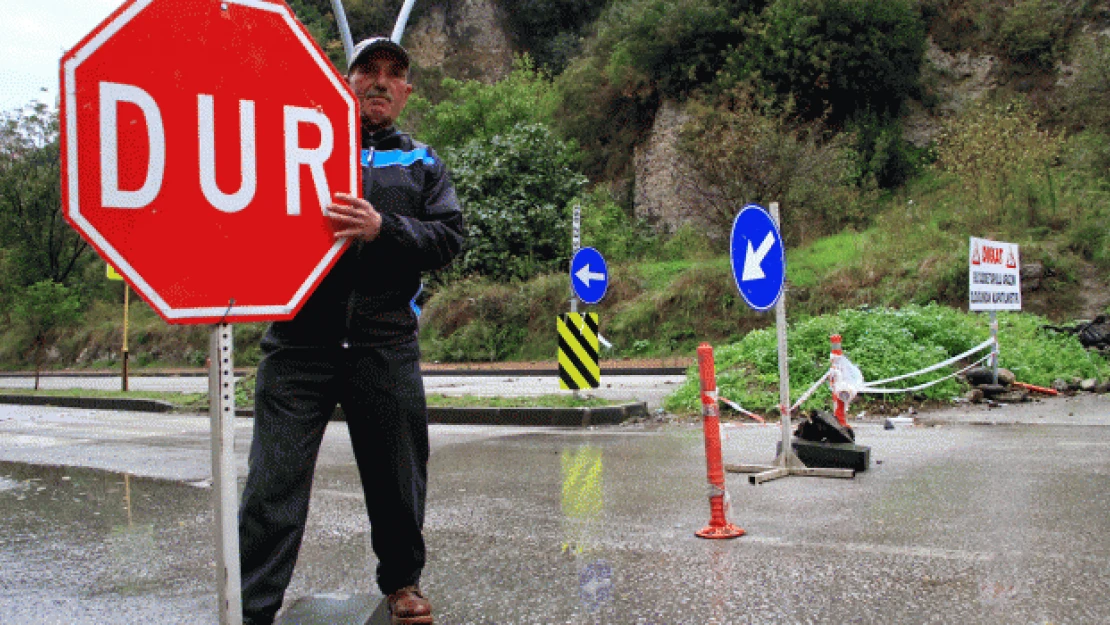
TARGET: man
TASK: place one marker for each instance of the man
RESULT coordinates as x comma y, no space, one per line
354,343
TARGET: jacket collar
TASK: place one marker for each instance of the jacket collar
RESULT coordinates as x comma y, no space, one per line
376,139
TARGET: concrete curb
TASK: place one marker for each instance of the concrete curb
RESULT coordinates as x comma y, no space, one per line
92,403
551,417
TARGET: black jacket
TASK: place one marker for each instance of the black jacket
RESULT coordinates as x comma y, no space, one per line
365,298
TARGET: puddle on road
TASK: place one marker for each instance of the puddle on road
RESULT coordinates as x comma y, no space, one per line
82,536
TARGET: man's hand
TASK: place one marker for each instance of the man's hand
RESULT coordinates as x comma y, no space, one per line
354,217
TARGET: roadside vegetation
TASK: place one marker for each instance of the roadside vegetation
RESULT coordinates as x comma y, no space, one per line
807,103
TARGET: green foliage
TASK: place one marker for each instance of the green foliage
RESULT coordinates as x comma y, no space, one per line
604,118
39,244
1087,100
644,50
609,228
1031,33
807,265
833,59
998,152
475,111
886,159
764,158
551,29
672,47
474,319
515,190
43,310
885,343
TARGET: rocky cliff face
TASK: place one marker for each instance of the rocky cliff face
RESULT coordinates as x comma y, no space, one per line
464,38
662,171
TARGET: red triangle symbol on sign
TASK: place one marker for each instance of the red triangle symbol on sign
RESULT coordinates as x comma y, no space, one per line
975,254
1011,262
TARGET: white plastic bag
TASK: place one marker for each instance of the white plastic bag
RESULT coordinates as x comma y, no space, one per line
846,379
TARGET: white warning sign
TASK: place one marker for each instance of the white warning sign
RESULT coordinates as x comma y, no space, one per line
994,274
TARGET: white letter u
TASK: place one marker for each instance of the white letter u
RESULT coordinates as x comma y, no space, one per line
248,170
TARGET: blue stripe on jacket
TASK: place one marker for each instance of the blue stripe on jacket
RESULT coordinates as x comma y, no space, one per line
388,158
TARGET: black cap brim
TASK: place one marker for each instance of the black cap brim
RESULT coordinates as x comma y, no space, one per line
366,47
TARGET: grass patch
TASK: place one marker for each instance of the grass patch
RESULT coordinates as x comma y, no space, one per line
806,266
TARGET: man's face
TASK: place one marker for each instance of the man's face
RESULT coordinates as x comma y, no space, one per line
381,85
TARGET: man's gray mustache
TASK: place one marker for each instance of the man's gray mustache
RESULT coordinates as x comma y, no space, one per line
375,93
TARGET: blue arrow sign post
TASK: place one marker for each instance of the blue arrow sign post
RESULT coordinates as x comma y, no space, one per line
759,266
589,275
758,257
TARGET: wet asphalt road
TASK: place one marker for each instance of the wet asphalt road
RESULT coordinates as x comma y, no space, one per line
952,524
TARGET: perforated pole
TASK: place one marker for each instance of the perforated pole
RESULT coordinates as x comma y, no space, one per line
718,527
225,494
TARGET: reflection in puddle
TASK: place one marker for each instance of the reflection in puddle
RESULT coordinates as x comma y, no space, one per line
74,539
583,506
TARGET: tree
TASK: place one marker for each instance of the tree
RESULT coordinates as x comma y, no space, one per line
757,157
39,243
44,309
515,190
833,58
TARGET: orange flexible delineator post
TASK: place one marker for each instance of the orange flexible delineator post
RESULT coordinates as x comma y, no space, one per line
839,410
718,527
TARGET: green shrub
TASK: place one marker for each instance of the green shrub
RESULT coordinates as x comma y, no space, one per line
515,191
1031,33
832,59
886,343
1088,98
609,228
645,50
474,111
999,150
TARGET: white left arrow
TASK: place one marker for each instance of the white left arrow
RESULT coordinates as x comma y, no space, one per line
753,259
585,275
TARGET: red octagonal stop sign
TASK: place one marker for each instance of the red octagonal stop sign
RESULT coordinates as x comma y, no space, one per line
200,141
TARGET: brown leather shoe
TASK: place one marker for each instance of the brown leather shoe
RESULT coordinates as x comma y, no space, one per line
408,606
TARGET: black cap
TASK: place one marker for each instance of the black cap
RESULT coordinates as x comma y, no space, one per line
367,46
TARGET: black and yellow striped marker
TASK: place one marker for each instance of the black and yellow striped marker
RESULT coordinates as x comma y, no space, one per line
578,364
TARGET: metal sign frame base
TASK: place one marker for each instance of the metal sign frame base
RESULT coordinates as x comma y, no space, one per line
786,464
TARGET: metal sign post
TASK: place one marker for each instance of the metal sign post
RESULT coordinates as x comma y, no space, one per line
786,462
575,245
225,494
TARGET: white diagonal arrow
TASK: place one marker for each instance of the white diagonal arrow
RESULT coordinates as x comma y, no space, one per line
753,260
585,275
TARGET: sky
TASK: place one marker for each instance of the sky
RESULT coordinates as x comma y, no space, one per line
33,36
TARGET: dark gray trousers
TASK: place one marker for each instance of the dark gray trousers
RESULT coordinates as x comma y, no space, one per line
382,395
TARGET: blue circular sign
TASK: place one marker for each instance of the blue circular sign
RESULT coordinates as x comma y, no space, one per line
758,257
589,275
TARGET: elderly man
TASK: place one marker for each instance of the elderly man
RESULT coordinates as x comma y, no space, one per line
354,344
